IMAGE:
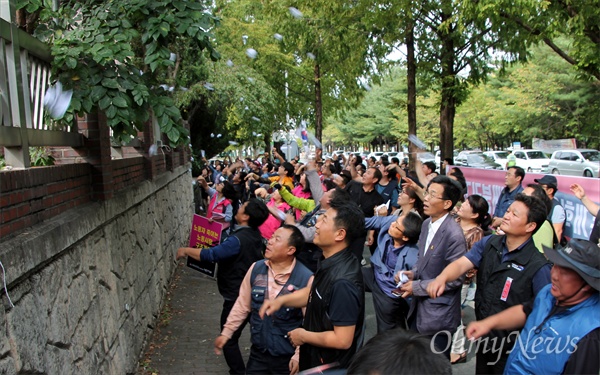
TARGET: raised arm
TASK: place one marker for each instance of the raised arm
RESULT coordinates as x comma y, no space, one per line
316,188
452,272
296,202
297,299
587,202
276,155
202,181
511,318
420,174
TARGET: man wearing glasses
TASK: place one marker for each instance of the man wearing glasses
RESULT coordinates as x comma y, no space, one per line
441,242
514,178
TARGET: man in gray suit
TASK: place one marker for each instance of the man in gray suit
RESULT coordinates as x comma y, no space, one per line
441,242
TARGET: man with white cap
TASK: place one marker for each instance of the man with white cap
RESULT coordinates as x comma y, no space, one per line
561,333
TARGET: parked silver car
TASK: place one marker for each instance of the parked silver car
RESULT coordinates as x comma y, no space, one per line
475,159
580,162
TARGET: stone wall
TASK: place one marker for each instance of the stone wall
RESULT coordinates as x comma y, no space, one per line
87,285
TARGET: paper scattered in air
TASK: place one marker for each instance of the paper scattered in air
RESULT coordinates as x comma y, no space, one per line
295,12
251,53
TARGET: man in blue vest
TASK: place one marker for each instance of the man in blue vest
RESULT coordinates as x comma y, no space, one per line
277,275
561,332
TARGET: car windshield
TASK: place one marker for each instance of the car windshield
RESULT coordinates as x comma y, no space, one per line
502,155
536,155
591,155
477,158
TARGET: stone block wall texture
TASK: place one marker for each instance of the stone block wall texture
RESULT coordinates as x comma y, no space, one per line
87,285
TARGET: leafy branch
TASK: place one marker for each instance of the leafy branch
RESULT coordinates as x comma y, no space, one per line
116,55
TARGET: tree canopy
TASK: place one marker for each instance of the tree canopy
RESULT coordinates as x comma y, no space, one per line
243,68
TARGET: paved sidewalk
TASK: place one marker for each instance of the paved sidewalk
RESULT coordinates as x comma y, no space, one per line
183,343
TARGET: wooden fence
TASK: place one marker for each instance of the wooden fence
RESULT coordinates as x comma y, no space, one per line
89,167
24,79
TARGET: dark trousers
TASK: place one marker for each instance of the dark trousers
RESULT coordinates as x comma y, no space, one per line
390,312
442,342
264,363
231,350
488,361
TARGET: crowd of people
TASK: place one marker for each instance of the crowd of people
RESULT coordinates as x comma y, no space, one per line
291,263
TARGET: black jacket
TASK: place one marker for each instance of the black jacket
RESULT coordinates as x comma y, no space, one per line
342,265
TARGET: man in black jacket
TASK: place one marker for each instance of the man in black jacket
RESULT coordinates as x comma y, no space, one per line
335,308
235,255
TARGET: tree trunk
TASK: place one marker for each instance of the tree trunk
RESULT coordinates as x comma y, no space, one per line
411,102
448,102
318,104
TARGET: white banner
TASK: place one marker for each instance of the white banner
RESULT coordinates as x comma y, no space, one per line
549,146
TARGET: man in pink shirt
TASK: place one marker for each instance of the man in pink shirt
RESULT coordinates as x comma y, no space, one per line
277,275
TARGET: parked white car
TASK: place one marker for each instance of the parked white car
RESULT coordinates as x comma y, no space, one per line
580,162
376,155
395,154
532,160
499,157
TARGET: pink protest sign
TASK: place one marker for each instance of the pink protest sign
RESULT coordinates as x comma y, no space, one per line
204,234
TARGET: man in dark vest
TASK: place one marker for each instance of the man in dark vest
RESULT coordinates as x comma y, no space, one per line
335,303
277,275
511,271
243,247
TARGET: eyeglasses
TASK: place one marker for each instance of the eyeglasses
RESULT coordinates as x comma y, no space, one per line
397,225
427,193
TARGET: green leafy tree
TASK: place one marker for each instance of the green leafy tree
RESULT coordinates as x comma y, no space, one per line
233,101
546,21
382,115
116,55
317,58
539,99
